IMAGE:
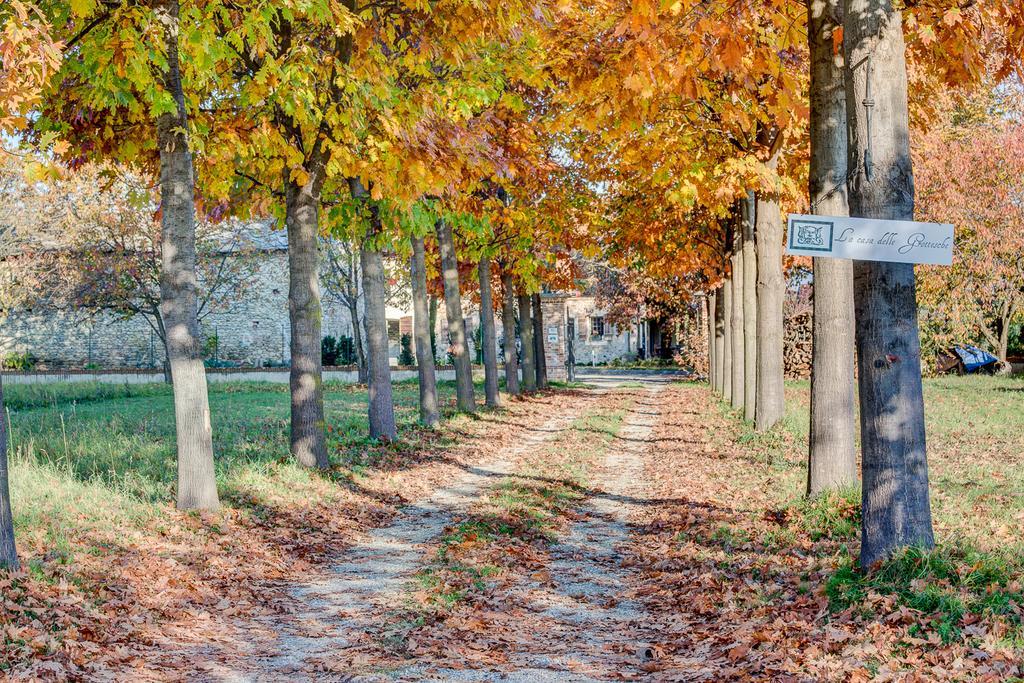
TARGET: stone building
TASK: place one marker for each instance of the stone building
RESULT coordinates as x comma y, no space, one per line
254,331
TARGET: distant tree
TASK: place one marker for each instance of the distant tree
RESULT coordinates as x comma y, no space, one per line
970,172
341,279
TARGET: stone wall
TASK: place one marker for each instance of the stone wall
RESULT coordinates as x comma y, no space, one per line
251,332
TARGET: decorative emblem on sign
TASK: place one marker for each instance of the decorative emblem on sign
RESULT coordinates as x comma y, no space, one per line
811,235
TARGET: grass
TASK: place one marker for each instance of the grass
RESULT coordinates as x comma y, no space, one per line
975,428
102,456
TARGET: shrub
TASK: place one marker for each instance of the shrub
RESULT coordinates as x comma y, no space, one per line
406,357
329,351
18,361
346,351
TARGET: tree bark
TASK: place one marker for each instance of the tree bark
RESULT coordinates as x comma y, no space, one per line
720,337
430,414
197,484
712,305
538,342
381,407
357,340
831,452
738,362
8,551
488,336
727,339
308,435
896,511
747,207
508,324
771,294
529,382
456,325
433,326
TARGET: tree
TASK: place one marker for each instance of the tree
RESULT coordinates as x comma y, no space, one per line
453,312
430,414
381,407
122,95
488,335
508,327
342,283
750,295
738,362
896,511
197,483
528,349
28,57
832,458
771,294
540,360
971,174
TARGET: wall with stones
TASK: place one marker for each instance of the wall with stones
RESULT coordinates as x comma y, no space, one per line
252,332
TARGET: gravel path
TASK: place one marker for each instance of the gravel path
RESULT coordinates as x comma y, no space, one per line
340,606
590,629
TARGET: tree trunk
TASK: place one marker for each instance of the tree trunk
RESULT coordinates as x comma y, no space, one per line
357,340
308,435
433,327
508,324
738,362
895,506
529,382
488,336
538,342
8,551
831,453
456,325
430,414
712,323
771,294
197,484
727,340
720,338
747,207
381,407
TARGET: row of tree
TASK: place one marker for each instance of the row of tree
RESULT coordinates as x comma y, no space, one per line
663,137
376,123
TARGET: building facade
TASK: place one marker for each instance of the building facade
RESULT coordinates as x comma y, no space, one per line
254,331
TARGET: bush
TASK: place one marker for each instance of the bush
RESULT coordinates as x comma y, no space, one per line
346,351
18,361
406,357
329,351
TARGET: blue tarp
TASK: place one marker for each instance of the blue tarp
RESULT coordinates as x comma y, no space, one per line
974,358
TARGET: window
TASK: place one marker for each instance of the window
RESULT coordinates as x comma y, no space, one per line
597,327
393,331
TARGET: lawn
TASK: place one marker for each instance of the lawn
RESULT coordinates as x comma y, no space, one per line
975,431
88,459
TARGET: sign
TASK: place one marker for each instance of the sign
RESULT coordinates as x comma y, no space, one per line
553,333
870,239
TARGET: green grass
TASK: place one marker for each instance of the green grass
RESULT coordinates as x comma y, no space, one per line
102,456
943,585
975,428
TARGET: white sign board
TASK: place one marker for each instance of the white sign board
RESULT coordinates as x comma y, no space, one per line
553,333
870,239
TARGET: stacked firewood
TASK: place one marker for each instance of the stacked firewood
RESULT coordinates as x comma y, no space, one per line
796,353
